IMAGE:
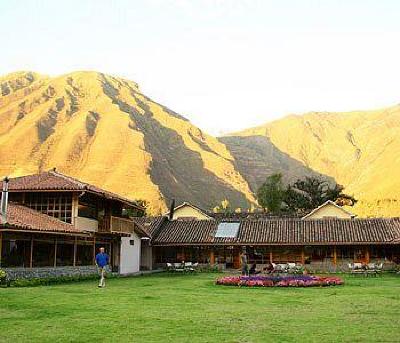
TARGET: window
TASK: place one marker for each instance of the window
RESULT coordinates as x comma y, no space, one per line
65,253
58,205
43,254
84,254
227,230
15,253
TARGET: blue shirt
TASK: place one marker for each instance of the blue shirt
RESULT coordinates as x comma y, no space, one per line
102,259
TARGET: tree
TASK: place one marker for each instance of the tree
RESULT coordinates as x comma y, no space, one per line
223,207
271,193
312,192
130,212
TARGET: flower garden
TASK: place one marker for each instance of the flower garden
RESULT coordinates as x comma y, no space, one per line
279,281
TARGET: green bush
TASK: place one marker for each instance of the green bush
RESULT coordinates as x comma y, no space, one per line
3,277
55,280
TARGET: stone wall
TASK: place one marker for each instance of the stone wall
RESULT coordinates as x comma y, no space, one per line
49,272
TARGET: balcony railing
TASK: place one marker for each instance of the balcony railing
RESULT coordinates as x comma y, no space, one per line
86,224
116,224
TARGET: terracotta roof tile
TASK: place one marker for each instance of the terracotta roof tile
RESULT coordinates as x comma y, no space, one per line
150,224
283,231
53,180
24,218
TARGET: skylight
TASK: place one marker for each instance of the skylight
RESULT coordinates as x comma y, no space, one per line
227,230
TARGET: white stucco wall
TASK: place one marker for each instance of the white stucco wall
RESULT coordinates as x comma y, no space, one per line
130,255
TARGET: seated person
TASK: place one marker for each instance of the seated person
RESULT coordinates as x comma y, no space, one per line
253,270
269,268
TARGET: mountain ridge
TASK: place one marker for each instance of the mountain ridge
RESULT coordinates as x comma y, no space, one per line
104,130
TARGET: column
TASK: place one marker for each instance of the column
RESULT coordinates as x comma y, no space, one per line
367,255
31,255
55,253
303,260
334,256
75,247
212,257
94,250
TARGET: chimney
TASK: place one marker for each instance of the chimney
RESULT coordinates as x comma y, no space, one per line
4,201
171,209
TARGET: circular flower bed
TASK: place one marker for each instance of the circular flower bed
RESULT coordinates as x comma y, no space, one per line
279,281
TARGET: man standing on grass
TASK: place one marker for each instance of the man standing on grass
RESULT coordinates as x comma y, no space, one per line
102,260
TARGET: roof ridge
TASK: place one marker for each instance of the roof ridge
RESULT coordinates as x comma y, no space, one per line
67,177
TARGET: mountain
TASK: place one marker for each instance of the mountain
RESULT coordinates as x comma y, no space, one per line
360,150
103,130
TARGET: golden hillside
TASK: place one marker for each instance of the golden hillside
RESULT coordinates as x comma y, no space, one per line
103,130
360,150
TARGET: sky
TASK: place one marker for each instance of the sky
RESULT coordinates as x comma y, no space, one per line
225,65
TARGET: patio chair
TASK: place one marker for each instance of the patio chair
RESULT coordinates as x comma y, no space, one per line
379,269
281,268
291,267
188,266
170,267
371,269
357,268
178,267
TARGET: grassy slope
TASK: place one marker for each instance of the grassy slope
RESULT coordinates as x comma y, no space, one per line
191,308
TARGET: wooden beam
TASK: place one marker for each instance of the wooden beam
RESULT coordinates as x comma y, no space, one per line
334,256
212,257
55,253
31,254
94,250
271,257
367,254
111,255
303,260
75,246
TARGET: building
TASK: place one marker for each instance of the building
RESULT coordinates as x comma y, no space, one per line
329,210
188,211
52,224
321,242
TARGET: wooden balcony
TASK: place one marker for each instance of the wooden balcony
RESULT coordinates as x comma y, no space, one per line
116,224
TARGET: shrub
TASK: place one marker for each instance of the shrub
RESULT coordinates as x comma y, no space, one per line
55,280
3,277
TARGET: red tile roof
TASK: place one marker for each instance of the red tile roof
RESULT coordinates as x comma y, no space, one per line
53,180
283,232
150,225
23,218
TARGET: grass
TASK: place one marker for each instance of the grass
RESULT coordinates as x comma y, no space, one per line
163,308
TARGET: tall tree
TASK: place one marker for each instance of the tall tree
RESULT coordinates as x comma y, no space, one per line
312,192
271,193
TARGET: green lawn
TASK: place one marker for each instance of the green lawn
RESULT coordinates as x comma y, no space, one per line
164,308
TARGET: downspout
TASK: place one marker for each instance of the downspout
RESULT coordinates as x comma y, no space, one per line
4,201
